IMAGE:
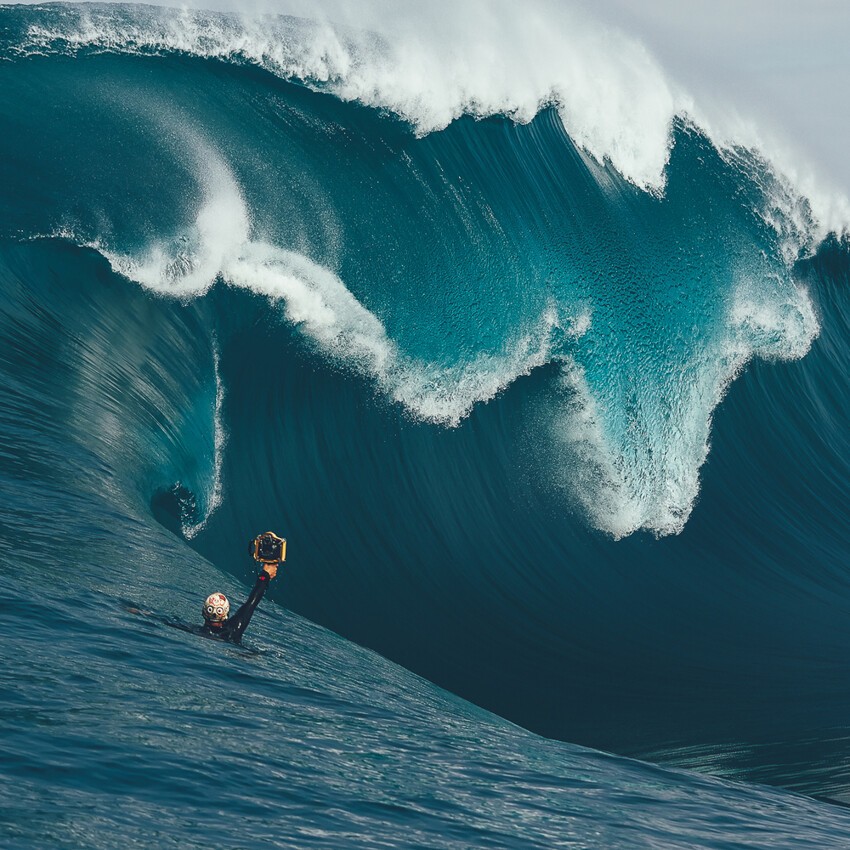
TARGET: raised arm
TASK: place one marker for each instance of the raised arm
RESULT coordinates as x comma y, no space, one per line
237,624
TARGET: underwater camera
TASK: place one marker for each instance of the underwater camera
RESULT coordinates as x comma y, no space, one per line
268,548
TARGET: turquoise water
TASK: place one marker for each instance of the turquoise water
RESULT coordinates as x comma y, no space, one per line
571,448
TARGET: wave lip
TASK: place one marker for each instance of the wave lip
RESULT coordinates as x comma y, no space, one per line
612,96
431,66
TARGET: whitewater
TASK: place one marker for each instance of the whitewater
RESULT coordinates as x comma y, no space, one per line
527,328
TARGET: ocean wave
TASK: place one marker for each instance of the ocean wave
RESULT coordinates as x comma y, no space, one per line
510,247
297,288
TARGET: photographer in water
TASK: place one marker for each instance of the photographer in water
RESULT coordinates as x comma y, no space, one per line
269,550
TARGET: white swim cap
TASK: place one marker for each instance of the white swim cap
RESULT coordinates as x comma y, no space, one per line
216,608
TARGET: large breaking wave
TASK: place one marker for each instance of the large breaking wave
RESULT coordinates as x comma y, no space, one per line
656,370
466,333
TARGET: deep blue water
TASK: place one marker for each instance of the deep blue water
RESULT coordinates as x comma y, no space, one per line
572,451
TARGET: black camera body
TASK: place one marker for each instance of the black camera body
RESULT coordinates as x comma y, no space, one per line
268,548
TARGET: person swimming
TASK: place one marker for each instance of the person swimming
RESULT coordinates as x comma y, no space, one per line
269,550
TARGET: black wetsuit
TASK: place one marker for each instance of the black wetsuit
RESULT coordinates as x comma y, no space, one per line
233,627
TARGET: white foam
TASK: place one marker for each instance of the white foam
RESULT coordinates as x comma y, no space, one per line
781,327
651,482
649,477
190,264
314,299
216,494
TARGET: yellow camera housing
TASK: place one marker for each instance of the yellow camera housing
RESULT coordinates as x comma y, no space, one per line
268,548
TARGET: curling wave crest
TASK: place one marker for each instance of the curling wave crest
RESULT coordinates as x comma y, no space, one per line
612,96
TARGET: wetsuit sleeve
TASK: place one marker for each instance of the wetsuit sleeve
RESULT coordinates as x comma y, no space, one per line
237,624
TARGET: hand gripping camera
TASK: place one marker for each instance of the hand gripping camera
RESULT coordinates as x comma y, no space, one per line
268,548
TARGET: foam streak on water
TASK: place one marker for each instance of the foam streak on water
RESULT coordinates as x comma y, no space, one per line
315,300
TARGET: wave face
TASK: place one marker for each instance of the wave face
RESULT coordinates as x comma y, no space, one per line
472,367
648,307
